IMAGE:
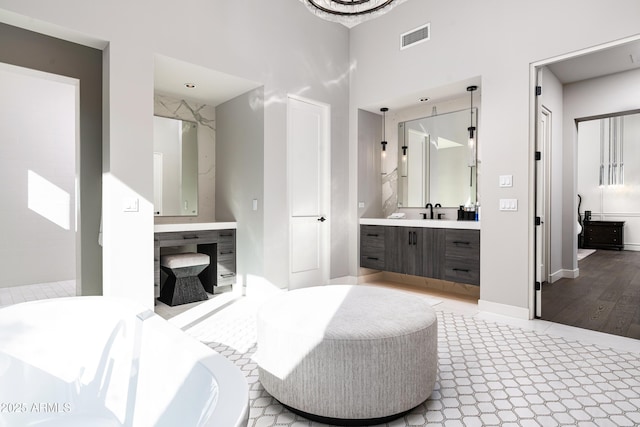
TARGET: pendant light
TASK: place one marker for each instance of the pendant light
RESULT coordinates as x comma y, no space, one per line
472,130
384,131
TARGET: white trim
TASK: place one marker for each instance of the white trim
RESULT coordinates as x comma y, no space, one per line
504,309
344,280
564,274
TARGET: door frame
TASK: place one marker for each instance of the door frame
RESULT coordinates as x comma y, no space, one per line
325,153
533,126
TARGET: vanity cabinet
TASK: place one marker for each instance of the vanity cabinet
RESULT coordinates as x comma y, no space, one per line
604,235
220,245
372,253
403,250
462,256
438,253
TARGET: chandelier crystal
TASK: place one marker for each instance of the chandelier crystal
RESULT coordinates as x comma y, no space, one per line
350,12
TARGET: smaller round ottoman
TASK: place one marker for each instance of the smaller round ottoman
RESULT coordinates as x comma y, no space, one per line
348,355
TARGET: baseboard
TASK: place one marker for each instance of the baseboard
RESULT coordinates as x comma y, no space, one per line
564,274
368,278
344,280
503,309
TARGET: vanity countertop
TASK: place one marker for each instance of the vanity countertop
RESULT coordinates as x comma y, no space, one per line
430,223
195,226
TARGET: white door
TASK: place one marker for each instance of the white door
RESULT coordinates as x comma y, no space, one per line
308,182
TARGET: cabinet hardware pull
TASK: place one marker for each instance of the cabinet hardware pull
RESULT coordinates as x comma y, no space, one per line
226,253
372,235
192,236
409,237
226,235
227,275
415,238
464,270
460,242
373,258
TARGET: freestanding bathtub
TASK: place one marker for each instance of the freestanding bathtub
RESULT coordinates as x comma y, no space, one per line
97,361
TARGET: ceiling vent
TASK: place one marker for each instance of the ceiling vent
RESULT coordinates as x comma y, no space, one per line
415,36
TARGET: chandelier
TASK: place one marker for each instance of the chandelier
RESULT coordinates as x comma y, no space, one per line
350,12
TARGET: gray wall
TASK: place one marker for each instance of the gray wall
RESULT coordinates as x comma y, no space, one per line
31,50
497,43
239,178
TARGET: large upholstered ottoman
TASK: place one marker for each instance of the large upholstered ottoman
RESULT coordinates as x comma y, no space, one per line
348,355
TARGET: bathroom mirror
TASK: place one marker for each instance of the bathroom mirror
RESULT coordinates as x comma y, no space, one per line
436,163
175,167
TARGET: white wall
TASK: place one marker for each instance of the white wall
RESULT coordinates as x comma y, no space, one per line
611,202
588,98
278,43
38,124
496,41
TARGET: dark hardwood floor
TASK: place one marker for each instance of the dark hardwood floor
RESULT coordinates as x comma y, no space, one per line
605,298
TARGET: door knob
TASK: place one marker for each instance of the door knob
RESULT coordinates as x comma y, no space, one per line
322,219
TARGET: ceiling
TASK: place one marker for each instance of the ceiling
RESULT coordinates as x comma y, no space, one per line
603,62
211,87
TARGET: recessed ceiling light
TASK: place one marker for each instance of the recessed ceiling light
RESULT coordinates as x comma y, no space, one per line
424,99
190,85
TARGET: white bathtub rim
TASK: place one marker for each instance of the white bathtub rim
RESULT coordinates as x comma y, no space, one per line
232,406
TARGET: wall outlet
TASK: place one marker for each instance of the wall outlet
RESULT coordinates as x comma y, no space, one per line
508,204
360,205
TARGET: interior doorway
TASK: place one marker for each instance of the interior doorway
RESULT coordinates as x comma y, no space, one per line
309,185
82,64
579,86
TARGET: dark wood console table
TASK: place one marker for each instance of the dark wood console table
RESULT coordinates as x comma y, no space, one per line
220,245
604,235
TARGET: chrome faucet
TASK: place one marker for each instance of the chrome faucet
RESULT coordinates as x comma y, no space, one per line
430,207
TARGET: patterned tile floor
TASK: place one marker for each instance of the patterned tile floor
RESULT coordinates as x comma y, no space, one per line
493,371
490,374
24,293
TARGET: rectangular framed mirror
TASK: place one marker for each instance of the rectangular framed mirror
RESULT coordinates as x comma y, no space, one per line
175,167
436,162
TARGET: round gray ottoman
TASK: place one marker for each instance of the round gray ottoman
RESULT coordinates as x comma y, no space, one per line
348,355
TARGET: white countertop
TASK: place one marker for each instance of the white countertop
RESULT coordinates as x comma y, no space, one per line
430,223
194,226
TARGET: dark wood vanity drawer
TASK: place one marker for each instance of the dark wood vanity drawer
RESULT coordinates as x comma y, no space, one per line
186,237
226,271
372,246
462,271
463,244
462,256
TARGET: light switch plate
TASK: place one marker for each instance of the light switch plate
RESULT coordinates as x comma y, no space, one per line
509,204
360,205
254,204
506,180
130,204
